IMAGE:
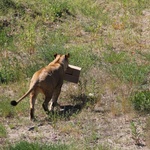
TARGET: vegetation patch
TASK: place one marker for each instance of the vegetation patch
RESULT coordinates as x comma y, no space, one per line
125,67
24,145
7,111
130,72
141,100
3,132
5,108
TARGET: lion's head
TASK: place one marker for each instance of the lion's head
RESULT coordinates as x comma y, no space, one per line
63,60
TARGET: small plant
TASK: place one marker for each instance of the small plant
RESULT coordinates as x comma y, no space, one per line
136,136
3,132
141,101
53,117
134,131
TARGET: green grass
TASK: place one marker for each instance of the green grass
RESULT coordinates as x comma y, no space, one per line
3,131
125,67
10,71
5,108
24,145
8,111
130,72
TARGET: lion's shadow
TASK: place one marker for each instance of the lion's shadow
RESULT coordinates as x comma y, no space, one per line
68,110
81,101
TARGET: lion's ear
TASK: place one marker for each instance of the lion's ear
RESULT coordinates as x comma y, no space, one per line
55,55
67,56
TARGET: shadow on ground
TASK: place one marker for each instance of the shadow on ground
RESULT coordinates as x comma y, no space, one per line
66,111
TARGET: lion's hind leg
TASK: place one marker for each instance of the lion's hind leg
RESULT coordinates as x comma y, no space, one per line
33,96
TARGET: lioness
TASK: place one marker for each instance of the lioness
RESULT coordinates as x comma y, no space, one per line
48,81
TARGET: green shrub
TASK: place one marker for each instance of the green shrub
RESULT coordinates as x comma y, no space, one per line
141,101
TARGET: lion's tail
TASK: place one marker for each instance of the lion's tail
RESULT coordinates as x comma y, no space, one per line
14,103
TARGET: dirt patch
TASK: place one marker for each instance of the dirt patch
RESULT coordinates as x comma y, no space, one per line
92,129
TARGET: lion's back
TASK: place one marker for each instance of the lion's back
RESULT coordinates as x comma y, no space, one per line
49,77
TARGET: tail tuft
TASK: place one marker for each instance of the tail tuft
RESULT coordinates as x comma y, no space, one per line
13,103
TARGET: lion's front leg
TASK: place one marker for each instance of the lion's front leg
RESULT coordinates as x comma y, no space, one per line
53,102
46,102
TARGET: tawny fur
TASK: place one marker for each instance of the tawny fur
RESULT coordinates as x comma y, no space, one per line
48,81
